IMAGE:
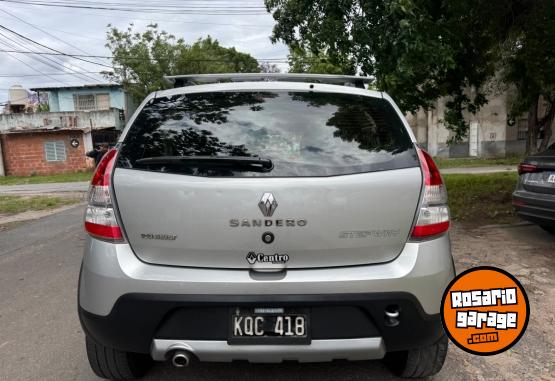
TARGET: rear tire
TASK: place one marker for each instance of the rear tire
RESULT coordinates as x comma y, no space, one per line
549,229
116,365
419,362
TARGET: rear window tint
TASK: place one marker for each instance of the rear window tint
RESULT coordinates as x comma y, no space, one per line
302,133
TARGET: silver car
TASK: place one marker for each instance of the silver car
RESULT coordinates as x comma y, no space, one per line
265,218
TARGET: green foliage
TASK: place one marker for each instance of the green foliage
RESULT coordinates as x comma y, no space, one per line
303,61
43,107
509,161
18,204
55,178
481,199
528,58
141,60
421,50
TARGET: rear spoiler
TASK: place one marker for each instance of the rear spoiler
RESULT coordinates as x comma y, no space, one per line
196,79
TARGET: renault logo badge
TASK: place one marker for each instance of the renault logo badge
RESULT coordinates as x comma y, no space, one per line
268,204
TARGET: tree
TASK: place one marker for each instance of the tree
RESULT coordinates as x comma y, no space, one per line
141,60
421,50
303,61
528,58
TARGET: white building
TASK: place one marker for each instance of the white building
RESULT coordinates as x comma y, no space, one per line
492,132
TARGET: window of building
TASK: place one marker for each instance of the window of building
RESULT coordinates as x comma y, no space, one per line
91,102
102,101
55,151
84,102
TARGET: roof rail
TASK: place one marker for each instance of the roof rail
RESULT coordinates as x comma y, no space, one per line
195,79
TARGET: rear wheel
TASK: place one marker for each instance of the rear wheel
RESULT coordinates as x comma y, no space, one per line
549,229
116,365
419,362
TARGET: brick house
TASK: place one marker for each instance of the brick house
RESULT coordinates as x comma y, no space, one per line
40,142
45,151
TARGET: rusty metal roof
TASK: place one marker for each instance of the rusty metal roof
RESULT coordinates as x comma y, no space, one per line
44,129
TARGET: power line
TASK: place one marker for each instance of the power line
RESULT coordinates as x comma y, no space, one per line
278,60
49,48
141,8
165,5
47,61
37,70
79,56
48,74
9,44
180,5
62,64
55,64
43,31
165,20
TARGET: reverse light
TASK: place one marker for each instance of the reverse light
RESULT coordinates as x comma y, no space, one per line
100,218
527,168
433,216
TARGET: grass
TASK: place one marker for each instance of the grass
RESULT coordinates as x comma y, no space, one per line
18,204
476,162
57,178
477,200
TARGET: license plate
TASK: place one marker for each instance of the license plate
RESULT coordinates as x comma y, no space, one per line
269,326
551,178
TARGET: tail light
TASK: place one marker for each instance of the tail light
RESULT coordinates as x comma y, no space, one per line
526,168
433,216
100,218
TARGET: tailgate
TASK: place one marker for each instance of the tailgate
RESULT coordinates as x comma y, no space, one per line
195,221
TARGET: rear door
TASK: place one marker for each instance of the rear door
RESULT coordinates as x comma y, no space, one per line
343,189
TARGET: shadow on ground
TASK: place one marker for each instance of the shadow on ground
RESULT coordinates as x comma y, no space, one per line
338,370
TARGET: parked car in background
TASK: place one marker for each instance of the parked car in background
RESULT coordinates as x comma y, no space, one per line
534,198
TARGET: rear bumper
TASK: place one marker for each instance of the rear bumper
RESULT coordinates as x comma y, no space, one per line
535,207
133,306
157,323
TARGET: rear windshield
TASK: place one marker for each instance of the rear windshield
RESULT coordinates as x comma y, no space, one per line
300,133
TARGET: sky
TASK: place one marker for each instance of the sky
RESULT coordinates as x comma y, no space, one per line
82,31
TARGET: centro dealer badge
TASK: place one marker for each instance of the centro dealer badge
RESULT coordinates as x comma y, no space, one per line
274,259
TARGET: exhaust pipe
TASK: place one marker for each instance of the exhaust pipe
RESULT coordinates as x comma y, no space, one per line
181,359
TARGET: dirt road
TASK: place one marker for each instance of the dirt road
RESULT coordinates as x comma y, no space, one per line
529,254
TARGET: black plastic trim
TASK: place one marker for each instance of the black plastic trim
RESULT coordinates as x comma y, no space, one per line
136,319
